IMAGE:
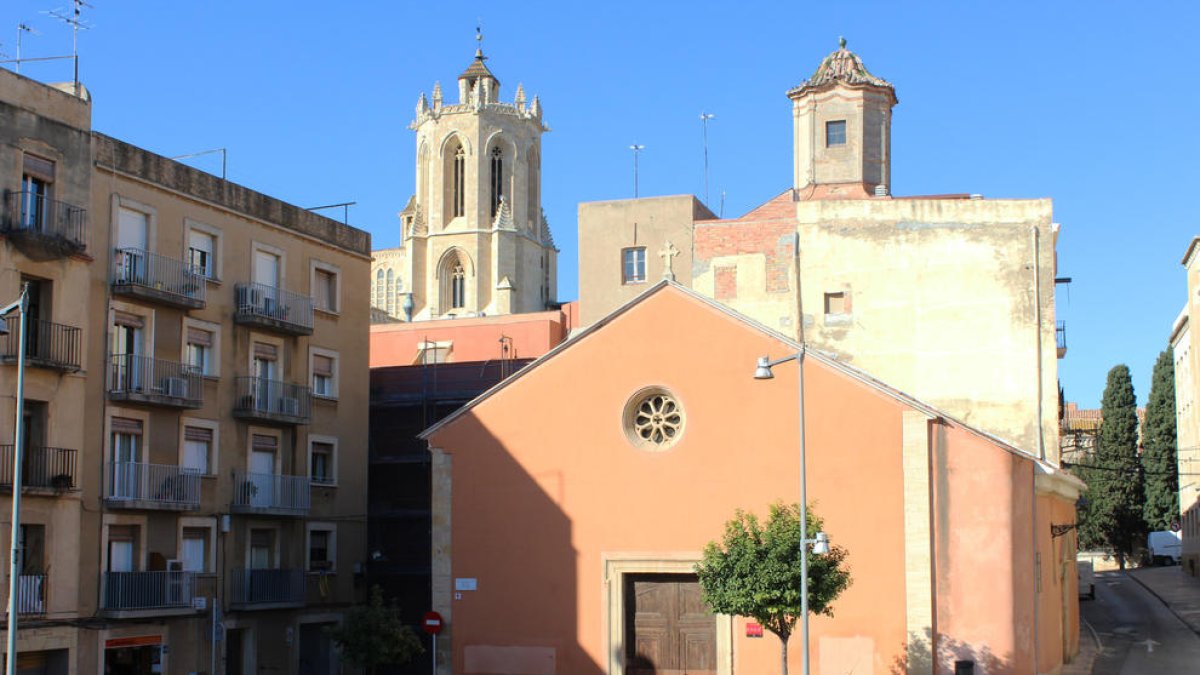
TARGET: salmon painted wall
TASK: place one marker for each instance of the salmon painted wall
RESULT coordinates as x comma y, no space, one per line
574,492
474,339
1058,600
983,554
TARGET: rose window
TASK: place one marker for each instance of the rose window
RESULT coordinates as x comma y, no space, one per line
654,419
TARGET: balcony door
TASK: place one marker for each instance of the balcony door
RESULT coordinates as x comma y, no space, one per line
37,181
121,548
128,367
133,229
265,368
266,269
31,598
36,336
262,470
126,458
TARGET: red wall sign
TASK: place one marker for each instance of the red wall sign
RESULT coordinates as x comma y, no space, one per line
432,623
754,630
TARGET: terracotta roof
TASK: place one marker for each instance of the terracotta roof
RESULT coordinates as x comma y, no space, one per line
842,66
477,68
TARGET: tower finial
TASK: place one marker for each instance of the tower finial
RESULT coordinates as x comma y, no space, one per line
479,39
841,42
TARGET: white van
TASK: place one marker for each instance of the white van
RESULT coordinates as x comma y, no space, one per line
1164,547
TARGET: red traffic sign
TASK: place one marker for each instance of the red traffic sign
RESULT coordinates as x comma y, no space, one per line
754,630
432,623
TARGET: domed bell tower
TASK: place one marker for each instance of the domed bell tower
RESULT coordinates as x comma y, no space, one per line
478,241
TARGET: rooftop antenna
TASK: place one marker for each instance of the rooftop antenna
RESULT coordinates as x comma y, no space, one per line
704,118
75,22
345,209
637,149
21,29
224,157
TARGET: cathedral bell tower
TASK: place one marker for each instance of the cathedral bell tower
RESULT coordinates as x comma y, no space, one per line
478,243
842,119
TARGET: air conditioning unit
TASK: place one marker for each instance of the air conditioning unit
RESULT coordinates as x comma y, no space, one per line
174,565
253,303
175,387
200,603
289,406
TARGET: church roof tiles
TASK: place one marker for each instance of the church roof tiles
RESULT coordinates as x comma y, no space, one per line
843,66
477,68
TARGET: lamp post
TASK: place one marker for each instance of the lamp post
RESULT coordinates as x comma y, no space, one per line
20,305
820,542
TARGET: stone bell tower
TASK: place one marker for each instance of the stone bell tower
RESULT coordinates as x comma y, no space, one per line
842,120
478,243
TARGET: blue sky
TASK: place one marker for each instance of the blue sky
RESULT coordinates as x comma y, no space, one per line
1090,103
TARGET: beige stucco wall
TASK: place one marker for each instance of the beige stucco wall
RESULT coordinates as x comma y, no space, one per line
1187,414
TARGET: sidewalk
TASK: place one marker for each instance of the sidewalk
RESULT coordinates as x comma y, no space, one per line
1179,592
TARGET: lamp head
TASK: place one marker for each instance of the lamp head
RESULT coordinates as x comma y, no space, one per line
763,371
821,544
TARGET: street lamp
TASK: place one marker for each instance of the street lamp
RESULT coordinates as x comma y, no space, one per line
820,542
20,306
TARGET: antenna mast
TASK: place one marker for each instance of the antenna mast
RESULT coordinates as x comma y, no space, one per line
22,28
75,22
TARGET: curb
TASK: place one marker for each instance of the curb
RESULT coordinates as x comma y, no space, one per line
1194,629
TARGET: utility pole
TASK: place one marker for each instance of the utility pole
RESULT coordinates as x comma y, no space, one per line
637,149
704,118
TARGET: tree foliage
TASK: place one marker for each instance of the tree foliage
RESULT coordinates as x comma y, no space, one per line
1112,514
373,635
1159,447
755,571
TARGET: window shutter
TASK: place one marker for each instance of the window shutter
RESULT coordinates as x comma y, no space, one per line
129,320
322,365
198,434
124,425
267,352
43,168
265,443
198,336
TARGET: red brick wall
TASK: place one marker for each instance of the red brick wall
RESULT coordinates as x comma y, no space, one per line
726,278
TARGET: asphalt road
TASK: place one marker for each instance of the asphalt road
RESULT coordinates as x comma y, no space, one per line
1138,634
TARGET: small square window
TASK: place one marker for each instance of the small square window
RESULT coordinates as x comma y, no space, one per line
633,265
324,370
835,133
202,248
197,449
835,303
199,351
321,548
325,290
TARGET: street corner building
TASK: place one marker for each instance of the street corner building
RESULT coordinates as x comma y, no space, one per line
566,530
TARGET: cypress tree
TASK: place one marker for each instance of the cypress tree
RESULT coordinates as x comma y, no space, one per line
1159,447
1116,496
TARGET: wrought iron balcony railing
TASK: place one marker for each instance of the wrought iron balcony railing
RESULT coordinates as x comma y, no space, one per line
31,594
54,228
1060,335
157,486
252,587
158,278
271,493
44,468
142,379
272,400
132,591
270,307
47,345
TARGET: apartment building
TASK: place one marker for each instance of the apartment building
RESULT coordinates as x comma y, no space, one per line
221,413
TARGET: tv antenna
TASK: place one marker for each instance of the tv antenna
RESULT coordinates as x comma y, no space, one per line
76,23
23,28
637,149
704,118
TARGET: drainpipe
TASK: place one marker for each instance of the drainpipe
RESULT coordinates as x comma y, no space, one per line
1037,304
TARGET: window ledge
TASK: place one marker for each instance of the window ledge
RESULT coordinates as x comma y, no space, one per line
321,573
213,280
325,399
846,319
637,282
322,485
332,313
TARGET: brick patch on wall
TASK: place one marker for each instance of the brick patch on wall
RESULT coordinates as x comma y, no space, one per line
774,239
726,278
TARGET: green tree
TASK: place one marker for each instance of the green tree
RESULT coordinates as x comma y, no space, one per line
755,571
1159,447
1113,502
373,635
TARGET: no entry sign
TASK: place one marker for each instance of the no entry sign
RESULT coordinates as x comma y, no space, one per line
432,623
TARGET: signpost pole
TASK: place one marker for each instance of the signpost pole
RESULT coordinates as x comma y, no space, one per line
434,654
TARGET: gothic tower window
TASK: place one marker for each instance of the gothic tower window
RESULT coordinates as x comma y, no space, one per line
391,292
458,288
454,184
532,211
497,179
460,182
380,298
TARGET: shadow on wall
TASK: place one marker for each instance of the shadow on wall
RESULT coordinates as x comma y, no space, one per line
511,532
949,651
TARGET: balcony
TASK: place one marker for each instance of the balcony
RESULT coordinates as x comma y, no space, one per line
135,594
271,493
141,379
45,468
1060,335
149,276
31,594
165,487
272,401
267,588
273,308
44,228
47,345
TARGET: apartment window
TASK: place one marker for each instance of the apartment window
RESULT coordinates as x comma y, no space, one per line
199,350
325,289
835,133
322,462
321,548
122,548
634,265
36,181
324,382
193,549
197,449
262,549
202,248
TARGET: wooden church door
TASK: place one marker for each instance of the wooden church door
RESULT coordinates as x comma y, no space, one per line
668,629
